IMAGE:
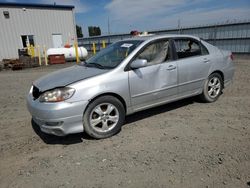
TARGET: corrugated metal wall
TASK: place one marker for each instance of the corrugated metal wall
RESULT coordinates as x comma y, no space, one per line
232,36
40,22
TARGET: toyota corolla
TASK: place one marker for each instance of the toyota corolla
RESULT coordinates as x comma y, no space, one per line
127,77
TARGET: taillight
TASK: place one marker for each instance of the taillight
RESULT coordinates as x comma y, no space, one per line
232,57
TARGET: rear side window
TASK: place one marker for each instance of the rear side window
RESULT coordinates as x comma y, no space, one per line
204,50
187,48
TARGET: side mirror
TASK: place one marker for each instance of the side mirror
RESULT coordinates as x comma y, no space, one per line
138,63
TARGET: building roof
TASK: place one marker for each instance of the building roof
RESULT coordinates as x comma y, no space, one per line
34,5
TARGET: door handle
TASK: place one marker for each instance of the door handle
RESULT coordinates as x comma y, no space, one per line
206,60
171,67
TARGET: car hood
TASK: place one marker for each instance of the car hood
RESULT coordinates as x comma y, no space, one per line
66,76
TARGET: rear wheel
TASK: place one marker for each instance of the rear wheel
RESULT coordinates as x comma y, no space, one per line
212,88
104,117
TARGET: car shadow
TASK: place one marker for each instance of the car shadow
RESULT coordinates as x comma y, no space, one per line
159,109
61,140
80,137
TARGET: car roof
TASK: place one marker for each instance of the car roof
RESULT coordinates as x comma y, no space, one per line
154,37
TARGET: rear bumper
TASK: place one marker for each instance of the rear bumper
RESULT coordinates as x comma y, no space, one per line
60,118
229,74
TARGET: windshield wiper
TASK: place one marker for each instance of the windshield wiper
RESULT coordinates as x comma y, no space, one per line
95,65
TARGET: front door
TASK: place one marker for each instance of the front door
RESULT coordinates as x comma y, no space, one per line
57,40
157,82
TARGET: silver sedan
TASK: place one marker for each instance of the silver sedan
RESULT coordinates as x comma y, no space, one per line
127,77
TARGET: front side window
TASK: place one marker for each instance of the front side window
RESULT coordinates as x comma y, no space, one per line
187,48
113,55
155,53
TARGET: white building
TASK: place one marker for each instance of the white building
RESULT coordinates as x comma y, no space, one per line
34,24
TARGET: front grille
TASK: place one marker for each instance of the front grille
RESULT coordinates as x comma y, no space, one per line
36,93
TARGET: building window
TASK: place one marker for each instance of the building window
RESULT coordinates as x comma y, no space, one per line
27,40
6,14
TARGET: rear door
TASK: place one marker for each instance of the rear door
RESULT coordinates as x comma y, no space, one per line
193,65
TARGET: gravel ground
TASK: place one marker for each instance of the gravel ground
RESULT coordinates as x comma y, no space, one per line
182,144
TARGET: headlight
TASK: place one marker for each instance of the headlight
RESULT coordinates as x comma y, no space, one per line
57,95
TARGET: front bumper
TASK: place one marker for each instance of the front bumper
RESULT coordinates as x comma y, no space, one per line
60,118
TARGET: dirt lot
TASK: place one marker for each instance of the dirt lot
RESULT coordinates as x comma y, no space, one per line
183,144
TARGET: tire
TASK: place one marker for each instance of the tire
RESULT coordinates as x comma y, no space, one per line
212,88
104,117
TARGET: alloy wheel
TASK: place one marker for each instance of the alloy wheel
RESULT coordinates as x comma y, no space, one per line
104,117
214,87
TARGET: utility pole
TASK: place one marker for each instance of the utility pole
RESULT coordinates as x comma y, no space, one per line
179,26
108,30
108,27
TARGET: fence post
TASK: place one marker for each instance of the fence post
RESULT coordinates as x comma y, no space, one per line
76,51
103,44
39,55
94,48
45,55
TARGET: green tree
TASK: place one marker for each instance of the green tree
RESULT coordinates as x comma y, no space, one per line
79,31
94,31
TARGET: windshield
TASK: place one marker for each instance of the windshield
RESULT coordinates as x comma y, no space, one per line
113,55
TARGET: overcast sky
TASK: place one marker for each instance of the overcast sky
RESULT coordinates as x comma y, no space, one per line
145,15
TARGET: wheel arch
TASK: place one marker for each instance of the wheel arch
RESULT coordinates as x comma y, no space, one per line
120,98
220,73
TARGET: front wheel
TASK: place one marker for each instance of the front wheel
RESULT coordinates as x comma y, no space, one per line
212,88
104,117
